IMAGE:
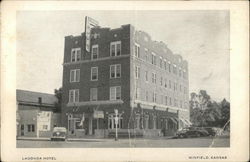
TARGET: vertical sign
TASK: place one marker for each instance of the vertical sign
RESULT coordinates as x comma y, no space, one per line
89,23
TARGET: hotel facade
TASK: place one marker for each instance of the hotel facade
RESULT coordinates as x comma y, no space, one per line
125,70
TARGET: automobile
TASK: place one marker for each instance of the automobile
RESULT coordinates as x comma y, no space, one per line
211,131
59,134
191,132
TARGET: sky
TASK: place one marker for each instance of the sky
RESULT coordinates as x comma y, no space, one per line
201,37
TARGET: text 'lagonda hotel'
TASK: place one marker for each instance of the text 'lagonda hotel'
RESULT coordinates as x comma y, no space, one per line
120,78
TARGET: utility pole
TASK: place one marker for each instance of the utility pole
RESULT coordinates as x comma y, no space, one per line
116,124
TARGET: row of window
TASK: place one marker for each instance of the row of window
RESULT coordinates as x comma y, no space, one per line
115,50
169,101
114,94
163,81
163,63
115,72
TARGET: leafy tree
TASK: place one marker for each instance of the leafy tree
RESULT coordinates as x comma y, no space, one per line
58,94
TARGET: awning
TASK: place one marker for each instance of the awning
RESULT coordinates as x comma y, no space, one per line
184,121
173,120
188,122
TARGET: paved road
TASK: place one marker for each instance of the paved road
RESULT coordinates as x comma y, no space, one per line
126,143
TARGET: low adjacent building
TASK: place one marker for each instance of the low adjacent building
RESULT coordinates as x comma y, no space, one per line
36,115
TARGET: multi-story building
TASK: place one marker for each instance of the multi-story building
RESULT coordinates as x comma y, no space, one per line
127,71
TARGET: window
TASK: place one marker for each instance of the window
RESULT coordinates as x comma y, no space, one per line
31,128
180,72
115,71
165,83
75,54
93,94
146,76
170,101
146,96
115,93
185,90
180,104
137,93
154,97
94,73
75,75
137,72
169,84
137,50
175,102
153,59
165,64
146,55
154,78
161,99
160,62
161,81
174,69
184,74
166,100
169,66
73,95
95,52
115,48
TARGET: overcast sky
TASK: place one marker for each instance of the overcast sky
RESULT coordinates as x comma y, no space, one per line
201,37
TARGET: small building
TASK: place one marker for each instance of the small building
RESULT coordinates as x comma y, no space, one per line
36,115
122,69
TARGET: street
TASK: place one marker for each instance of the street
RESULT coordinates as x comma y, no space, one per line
126,143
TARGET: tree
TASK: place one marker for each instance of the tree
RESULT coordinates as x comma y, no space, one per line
58,104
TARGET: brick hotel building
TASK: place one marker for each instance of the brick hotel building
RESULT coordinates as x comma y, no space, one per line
125,70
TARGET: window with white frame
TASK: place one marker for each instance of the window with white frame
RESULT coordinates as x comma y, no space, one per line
165,64
153,58
115,48
95,52
165,83
169,66
137,50
75,75
154,78
75,54
180,72
154,97
146,55
160,62
93,94
174,69
115,93
146,76
94,73
146,95
137,93
115,71
73,95
137,72
166,100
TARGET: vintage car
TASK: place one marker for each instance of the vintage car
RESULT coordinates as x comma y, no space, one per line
59,134
191,132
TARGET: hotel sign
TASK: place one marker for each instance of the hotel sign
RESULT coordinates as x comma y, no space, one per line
98,114
89,23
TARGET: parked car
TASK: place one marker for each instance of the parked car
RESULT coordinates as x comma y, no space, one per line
211,131
191,132
59,134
